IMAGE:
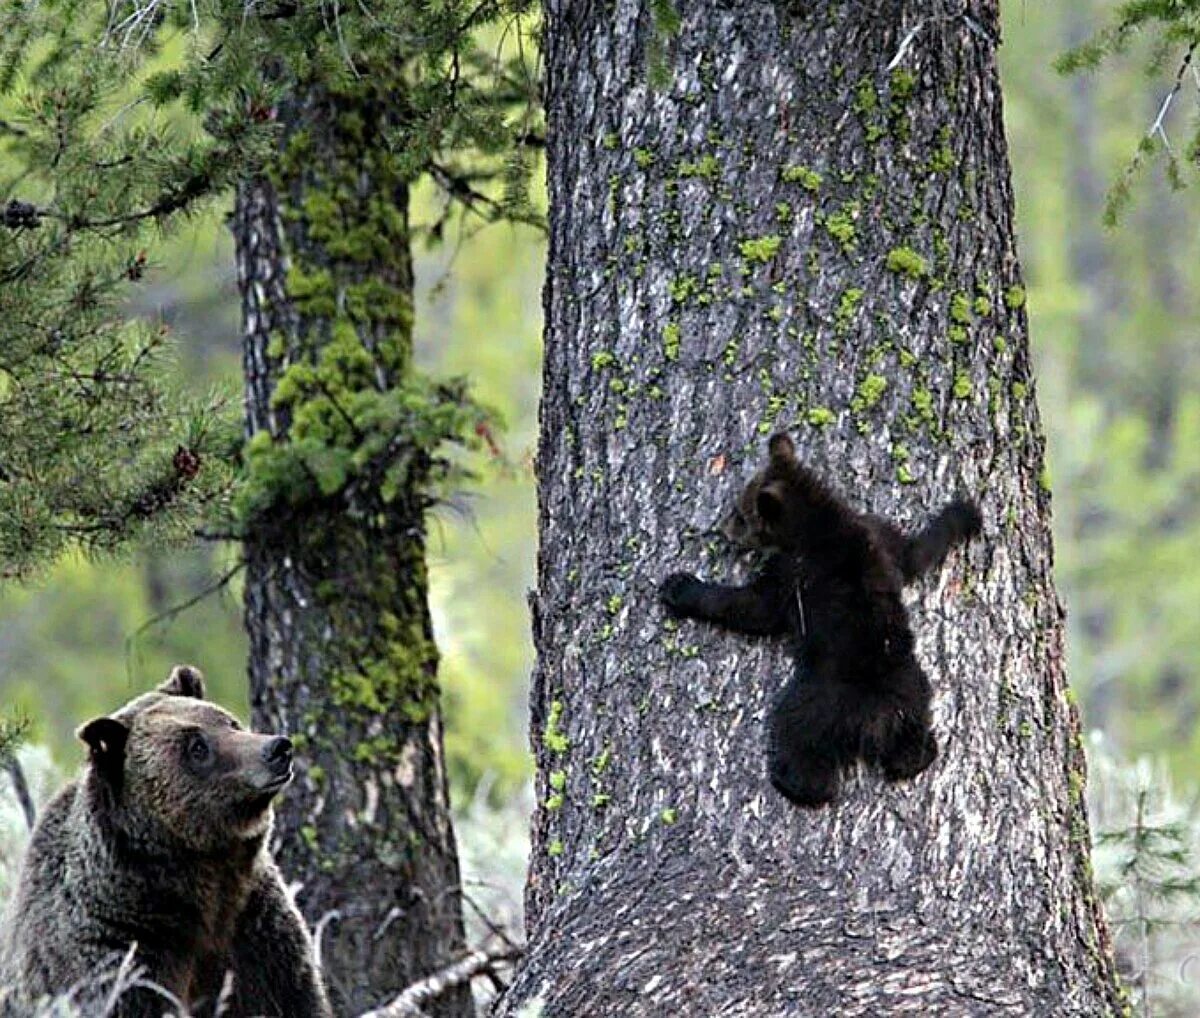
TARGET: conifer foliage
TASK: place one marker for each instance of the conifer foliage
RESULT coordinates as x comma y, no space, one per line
1168,34
95,447
118,122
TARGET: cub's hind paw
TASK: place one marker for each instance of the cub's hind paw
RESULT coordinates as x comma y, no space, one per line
809,786
678,592
907,760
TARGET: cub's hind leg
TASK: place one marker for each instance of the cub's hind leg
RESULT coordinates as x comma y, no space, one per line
802,761
912,748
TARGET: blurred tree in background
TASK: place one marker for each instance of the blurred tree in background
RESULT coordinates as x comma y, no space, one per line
349,445
1114,323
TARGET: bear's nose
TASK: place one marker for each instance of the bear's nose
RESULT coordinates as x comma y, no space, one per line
277,754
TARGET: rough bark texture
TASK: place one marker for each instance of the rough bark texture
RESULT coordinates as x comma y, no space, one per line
341,646
788,235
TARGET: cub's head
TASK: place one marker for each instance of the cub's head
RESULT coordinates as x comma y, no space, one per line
757,514
172,766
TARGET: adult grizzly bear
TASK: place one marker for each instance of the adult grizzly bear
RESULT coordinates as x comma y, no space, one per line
161,843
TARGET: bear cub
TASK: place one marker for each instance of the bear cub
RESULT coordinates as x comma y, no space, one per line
161,843
832,584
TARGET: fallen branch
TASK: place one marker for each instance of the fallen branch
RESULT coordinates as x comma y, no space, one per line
408,1004
21,787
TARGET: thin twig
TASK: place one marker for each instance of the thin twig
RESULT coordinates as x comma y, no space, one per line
175,611
1157,126
408,1004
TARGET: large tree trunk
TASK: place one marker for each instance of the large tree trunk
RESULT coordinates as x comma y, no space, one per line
341,647
786,235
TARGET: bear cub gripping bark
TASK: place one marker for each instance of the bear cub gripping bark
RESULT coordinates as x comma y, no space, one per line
162,843
833,585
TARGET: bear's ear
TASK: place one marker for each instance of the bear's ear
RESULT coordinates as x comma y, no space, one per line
769,503
106,738
781,448
184,681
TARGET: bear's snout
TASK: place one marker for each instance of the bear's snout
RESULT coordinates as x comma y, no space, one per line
277,755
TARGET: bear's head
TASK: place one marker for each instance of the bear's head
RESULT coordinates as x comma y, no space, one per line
758,513
170,767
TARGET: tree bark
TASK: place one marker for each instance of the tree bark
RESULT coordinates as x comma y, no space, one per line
789,234
341,647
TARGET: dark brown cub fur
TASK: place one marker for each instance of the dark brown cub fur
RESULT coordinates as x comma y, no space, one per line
833,584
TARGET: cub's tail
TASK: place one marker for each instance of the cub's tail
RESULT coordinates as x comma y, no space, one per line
956,524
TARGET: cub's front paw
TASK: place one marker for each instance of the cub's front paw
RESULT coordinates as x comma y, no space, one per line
678,592
967,517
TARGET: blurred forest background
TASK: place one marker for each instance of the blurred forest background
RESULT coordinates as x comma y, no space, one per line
1115,324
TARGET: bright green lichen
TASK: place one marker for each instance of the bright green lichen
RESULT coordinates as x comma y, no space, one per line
903,83
960,308
942,160
870,391
643,157
602,359
555,848
807,178
1014,297
840,225
962,385
820,417
670,337
707,167
552,735
682,288
760,250
922,401
669,815
848,305
906,261
865,99
557,780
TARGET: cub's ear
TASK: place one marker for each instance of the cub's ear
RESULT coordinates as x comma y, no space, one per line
781,448
769,503
106,738
184,681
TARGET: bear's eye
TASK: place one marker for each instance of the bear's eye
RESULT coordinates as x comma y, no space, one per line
198,750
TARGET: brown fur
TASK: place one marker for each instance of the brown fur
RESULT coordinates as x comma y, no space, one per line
832,584
162,843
